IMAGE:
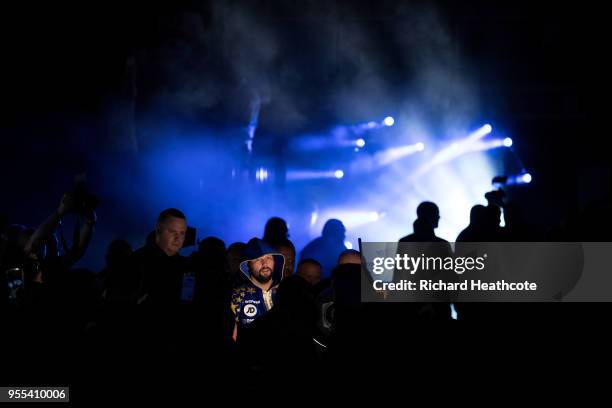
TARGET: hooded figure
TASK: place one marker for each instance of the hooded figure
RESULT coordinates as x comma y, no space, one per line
263,269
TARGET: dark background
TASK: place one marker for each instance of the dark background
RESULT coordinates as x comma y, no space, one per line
84,83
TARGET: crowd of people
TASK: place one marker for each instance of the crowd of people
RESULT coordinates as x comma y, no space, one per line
248,314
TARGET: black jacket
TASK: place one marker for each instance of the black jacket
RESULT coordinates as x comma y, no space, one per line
161,276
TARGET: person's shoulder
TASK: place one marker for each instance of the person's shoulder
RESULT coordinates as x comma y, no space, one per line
310,244
293,280
182,259
463,235
238,290
140,256
310,248
241,292
142,251
407,238
243,288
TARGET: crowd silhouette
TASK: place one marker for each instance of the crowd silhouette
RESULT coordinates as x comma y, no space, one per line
244,314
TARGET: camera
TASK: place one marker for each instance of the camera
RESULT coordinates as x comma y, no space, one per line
15,279
84,202
500,180
496,197
18,275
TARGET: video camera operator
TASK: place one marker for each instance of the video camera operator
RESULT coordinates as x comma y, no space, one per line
495,204
31,258
48,309
42,246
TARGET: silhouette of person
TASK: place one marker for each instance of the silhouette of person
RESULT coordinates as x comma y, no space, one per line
310,270
426,242
212,282
326,248
211,255
476,231
121,283
212,322
233,257
287,249
430,212
428,217
516,228
422,232
276,231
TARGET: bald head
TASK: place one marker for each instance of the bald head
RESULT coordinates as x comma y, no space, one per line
350,256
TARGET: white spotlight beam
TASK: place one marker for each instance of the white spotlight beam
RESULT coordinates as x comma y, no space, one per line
455,150
479,134
297,175
390,155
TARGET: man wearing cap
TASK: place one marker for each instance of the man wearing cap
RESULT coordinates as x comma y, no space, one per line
264,270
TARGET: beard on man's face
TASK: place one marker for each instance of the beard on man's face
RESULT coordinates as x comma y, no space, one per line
264,275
